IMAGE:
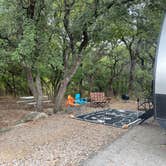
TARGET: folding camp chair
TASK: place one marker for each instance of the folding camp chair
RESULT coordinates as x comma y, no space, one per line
98,99
79,100
71,105
145,104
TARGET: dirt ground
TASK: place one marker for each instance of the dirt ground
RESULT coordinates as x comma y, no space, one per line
10,111
57,140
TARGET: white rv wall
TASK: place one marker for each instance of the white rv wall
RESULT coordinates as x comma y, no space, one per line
160,74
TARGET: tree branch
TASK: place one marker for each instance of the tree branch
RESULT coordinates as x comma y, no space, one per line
66,22
84,41
31,9
96,2
114,2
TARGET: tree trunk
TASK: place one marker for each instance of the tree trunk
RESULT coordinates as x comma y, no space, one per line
14,86
39,105
91,82
131,72
80,86
36,90
31,83
60,95
63,86
110,91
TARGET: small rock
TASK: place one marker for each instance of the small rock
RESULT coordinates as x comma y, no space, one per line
32,117
49,111
72,116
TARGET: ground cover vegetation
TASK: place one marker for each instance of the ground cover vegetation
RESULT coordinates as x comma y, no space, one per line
59,47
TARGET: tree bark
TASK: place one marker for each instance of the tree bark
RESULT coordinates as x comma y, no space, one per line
75,54
90,81
133,52
81,86
60,95
110,91
39,105
14,85
63,86
31,83
131,72
36,89
133,58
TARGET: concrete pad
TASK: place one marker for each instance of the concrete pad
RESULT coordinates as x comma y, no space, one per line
142,146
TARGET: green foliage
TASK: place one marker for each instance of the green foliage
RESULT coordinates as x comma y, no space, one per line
44,44
25,50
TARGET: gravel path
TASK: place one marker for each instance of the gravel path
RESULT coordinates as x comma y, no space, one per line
55,141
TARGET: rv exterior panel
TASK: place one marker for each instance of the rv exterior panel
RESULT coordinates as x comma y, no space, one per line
160,78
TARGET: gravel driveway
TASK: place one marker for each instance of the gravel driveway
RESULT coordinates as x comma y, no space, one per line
55,141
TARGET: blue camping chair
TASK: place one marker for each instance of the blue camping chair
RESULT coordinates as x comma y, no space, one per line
79,100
